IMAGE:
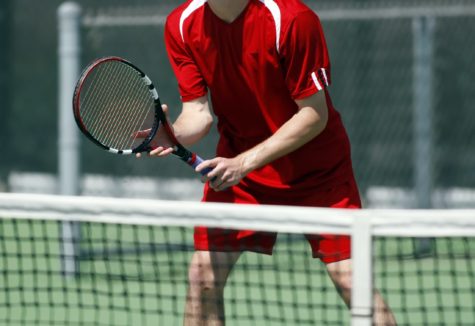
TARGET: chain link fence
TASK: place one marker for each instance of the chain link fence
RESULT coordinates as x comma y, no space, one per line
384,86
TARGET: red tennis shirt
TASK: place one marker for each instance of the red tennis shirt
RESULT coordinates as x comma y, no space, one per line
255,68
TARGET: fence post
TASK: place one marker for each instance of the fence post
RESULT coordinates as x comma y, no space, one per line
69,24
423,31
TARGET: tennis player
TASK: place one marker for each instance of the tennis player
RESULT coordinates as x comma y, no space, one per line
264,66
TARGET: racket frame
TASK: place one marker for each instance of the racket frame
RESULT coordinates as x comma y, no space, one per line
77,97
159,116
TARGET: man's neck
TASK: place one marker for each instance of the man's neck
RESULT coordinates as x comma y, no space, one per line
228,10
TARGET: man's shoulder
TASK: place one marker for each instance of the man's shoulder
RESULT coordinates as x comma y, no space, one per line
185,8
178,11
290,10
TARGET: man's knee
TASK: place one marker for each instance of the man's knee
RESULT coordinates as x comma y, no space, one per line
208,272
202,276
340,273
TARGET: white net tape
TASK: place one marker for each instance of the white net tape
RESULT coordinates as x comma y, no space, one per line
289,219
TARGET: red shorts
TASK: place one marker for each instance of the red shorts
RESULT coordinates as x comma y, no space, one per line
328,247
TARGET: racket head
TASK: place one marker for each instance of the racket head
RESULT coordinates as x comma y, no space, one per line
113,100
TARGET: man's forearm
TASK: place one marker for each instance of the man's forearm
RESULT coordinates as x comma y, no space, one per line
194,122
305,125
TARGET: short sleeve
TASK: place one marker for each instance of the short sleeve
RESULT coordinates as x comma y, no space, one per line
305,56
190,81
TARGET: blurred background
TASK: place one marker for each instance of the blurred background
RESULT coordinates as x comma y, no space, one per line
402,80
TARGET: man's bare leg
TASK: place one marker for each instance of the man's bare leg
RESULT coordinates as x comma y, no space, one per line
207,276
340,273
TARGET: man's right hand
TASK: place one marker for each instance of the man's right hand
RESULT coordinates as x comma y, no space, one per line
161,144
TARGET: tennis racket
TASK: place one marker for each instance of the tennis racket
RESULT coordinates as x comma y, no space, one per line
113,101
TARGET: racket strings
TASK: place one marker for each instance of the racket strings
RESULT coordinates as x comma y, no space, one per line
108,90
139,116
134,97
118,122
116,104
100,82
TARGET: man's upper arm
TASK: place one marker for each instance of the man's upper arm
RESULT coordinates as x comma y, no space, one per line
190,81
198,105
318,103
305,56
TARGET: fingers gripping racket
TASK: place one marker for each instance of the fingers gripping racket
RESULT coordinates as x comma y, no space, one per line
113,101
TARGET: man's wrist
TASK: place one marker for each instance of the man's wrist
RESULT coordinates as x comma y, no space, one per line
248,162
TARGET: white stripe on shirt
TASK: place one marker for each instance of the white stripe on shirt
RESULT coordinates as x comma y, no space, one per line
194,5
324,73
275,11
315,80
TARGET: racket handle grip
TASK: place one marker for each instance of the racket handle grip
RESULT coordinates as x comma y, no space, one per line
197,161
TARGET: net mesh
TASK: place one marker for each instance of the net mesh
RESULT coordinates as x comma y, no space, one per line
132,264
137,275
432,289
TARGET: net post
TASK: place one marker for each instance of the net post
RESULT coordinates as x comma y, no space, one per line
423,39
69,24
5,88
362,273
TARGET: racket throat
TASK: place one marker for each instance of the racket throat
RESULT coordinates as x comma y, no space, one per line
184,155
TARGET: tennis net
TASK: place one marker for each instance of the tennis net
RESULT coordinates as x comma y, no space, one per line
97,261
